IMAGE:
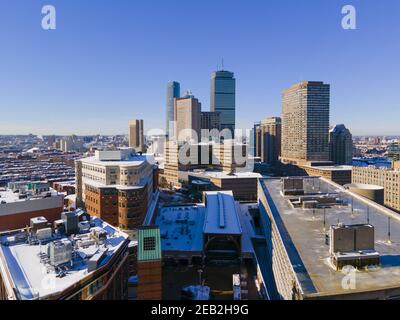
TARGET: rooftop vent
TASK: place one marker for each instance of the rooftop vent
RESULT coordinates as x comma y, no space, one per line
353,245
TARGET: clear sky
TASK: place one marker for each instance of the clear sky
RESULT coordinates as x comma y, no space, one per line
109,60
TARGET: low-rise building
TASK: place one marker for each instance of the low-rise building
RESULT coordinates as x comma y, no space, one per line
387,178
319,239
215,229
116,186
74,259
339,174
24,200
242,184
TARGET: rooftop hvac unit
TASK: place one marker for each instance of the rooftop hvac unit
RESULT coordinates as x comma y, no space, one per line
84,226
71,222
59,226
60,252
353,245
44,234
94,262
99,233
38,223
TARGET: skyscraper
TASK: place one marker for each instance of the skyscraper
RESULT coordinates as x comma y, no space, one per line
136,138
270,133
340,145
256,134
187,114
173,91
305,123
222,98
209,121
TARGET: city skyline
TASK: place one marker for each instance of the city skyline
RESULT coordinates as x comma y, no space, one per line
107,63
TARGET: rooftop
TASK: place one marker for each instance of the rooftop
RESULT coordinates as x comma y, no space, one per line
302,232
182,227
25,267
221,213
8,196
225,175
124,157
331,168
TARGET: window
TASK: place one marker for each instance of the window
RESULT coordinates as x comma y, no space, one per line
149,243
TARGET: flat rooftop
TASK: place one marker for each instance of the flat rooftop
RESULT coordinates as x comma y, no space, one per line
330,168
134,160
225,175
8,196
304,237
182,227
34,280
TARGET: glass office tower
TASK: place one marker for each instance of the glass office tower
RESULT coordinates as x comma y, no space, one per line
173,91
222,98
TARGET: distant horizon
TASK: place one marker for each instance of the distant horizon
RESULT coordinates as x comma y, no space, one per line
126,134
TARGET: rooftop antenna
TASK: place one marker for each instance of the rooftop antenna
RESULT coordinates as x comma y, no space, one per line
222,64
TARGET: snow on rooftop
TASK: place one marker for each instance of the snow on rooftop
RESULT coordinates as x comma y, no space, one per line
221,213
181,228
225,175
131,160
8,196
33,279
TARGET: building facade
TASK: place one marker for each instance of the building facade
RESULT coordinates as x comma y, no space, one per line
149,263
394,151
257,139
338,174
136,136
18,206
181,157
270,136
305,122
386,178
187,113
173,91
66,276
209,121
340,145
223,98
116,186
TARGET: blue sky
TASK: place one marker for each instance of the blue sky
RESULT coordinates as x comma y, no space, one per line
109,61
